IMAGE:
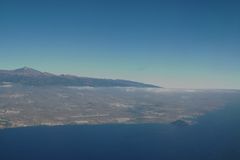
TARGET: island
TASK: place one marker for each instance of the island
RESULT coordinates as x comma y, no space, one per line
29,98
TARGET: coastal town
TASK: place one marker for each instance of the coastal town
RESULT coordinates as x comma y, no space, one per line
22,106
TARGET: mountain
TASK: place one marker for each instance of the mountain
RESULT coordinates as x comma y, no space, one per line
29,76
29,72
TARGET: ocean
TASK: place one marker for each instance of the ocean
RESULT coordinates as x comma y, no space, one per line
215,136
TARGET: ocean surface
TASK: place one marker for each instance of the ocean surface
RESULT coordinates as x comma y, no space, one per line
215,136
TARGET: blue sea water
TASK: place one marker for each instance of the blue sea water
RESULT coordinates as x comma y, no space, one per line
216,136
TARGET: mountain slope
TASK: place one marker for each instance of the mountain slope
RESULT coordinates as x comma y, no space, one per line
29,76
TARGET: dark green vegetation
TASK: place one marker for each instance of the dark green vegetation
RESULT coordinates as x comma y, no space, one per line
180,123
28,76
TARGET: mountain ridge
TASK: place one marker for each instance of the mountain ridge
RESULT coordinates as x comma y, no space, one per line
30,76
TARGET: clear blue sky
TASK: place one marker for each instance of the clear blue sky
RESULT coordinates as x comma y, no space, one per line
172,43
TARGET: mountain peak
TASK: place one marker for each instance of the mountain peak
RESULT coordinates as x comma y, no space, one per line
25,68
28,71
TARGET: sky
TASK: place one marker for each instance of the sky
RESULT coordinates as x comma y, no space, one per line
170,43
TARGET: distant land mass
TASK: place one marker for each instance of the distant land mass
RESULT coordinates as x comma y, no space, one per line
32,77
31,98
